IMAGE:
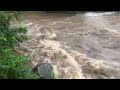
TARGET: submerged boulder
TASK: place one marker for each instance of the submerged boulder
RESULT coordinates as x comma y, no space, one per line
45,71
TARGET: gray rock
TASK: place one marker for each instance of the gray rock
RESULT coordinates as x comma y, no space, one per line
44,70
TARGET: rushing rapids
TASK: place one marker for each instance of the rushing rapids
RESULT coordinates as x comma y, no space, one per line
80,46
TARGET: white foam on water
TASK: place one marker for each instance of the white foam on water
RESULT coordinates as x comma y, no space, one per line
98,14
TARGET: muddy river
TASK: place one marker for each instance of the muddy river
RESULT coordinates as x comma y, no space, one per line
94,34
84,32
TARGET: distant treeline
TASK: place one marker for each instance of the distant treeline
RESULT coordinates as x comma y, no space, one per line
65,11
52,12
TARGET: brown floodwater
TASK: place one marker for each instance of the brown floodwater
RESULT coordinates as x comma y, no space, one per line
96,34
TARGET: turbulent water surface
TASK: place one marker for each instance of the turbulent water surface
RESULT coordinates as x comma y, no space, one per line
85,45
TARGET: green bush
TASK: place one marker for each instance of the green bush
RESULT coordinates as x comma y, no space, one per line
12,65
10,36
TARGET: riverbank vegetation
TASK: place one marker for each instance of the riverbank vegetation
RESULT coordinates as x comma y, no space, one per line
12,65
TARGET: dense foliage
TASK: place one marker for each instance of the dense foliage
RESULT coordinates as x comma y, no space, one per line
10,36
12,65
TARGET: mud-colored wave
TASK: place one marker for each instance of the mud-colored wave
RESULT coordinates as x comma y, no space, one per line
77,49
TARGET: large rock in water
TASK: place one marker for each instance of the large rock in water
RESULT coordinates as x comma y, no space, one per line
44,70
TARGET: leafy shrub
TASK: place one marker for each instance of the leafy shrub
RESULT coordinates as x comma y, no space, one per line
10,36
12,65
